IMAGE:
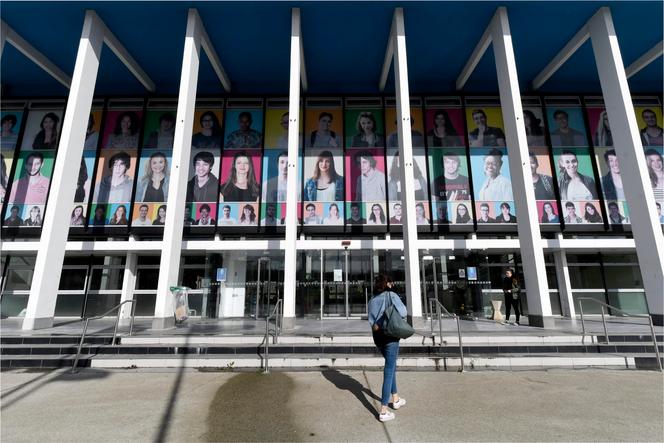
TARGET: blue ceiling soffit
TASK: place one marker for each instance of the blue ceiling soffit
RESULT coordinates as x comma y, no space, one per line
344,44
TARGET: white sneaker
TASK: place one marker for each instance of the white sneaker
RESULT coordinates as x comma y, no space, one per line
401,402
387,416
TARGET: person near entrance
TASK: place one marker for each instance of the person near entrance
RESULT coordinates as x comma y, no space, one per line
388,346
512,292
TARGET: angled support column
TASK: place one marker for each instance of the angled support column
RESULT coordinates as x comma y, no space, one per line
530,240
45,282
169,268
564,284
128,286
290,255
646,229
412,264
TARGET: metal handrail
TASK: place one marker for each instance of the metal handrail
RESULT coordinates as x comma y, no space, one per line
625,314
277,312
115,331
440,313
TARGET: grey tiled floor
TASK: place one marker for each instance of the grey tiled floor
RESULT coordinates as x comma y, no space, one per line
329,327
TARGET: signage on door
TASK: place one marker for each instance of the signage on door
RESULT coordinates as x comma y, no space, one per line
338,275
221,274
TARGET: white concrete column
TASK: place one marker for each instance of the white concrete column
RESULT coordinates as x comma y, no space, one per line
530,240
128,286
43,292
411,256
169,266
564,284
646,229
290,254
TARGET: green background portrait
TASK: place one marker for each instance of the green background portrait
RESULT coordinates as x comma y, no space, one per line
582,156
350,120
436,168
47,165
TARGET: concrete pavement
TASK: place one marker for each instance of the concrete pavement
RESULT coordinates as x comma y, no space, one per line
559,405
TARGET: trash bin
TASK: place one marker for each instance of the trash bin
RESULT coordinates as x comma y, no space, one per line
181,303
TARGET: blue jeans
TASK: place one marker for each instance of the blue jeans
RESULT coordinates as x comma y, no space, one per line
390,352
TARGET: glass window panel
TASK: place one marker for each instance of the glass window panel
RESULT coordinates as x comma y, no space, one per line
623,277
12,304
588,306
145,303
586,277
147,278
19,279
554,297
69,305
73,279
106,279
98,304
630,302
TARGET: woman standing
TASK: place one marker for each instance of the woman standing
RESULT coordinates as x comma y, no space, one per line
388,346
512,291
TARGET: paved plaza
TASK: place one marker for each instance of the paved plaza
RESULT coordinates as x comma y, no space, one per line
189,405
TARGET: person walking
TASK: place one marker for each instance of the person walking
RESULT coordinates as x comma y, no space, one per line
512,291
388,346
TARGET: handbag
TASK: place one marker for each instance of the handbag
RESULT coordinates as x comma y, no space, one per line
393,324
516,290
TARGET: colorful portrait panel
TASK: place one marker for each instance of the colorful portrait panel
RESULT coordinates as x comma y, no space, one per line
122,129
533,120
324,128
42,130
159,129
416,125
649,120
449,169
364,128
78,215
492,186
365,175
566,126
92,133
240,176
445,128
207,132
32,177
19,215
547,211
244,129
485,127
598,119
10,125
323,172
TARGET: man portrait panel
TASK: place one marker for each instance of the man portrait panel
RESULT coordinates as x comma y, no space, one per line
566,126
203,183
449,169
416,127
115,176
324,127
243,128
365,174
649,120
485,127
276,128
32,177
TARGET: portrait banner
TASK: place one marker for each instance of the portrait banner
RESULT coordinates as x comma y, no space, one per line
445,128
42,130
244,129
10,125
121,130
566,127
485,127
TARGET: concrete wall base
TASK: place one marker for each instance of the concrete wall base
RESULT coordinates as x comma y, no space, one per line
163,322
37,323
540,321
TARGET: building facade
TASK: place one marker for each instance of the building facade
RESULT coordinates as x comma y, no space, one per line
110,197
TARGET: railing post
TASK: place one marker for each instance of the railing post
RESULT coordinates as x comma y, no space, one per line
583,323
606,334
133,314
654,342
456,317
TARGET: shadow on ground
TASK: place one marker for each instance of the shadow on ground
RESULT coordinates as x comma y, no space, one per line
253,407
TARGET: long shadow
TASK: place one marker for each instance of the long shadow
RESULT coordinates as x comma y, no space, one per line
348,383
61,374
175,391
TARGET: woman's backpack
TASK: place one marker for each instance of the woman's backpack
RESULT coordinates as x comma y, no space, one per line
393,324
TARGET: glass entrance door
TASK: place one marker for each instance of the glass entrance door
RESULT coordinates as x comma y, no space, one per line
347,280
